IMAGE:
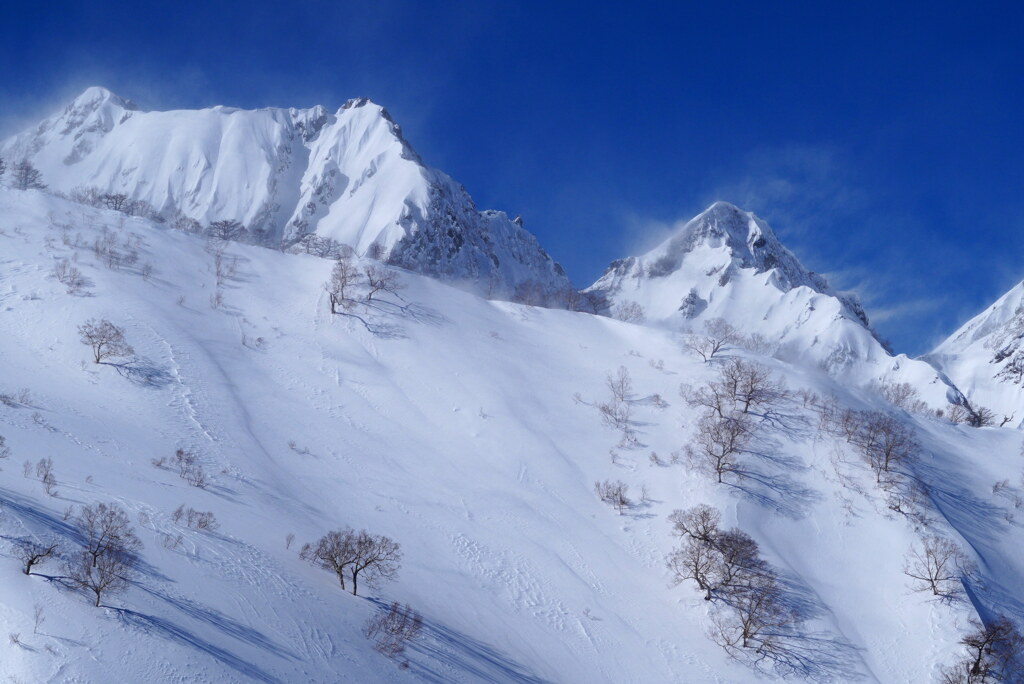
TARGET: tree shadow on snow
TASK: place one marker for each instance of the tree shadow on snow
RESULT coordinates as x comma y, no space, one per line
143,372
777,489
157,626
222,622
445,649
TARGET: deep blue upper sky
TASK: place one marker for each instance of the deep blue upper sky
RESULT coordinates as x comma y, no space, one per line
882,143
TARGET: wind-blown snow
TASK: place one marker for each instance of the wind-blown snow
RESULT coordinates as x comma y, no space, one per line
451,427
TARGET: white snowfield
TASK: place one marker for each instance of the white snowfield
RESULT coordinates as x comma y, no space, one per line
285,173
985,357
466,430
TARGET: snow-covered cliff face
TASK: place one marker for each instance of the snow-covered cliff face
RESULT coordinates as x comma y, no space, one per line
727,263
286,173
985,357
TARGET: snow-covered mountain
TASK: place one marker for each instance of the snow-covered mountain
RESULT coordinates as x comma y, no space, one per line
471,432
286,173
727,263
985,357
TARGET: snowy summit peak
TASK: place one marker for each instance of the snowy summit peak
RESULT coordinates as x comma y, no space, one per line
96,96
303,179
727,263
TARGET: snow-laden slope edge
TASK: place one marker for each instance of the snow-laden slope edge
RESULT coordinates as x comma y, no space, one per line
727,263
985,357
454,430
285,173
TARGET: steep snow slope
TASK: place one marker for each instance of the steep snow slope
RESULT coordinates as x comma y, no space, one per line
727,263
985,357
284,173
448,423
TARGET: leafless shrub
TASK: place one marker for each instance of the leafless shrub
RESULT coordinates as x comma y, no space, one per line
344,278
629,312
289,540
38,617
106,339
392,629
379,280
69,276
937,566
44,471
32,553
171,542
201,520
615,494
970,415
902,395
189,468
217,299
5,451
620,384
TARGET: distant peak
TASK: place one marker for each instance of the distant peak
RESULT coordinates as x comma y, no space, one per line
94,96
357,102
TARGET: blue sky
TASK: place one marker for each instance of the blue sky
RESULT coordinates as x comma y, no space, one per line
882,143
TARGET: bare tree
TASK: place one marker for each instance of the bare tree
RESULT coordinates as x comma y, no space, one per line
885,442
718,334
696,560
106,339
699,522
757,617
106,529
751,385
615,494
5,450
32,553
104,574
937,566
226,229
117,201
392,629
719,442
377,558
994,653
380,279
335,551
343,280
25,176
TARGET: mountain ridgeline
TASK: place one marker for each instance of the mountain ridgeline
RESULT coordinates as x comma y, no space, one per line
299,178
313,181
